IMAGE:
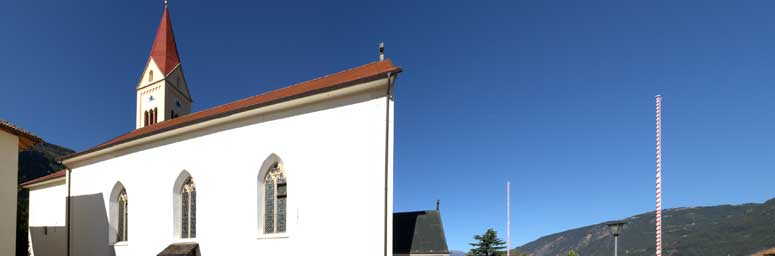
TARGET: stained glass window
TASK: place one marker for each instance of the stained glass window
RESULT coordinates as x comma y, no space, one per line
123,207
275,200
282,196
192,227
269,207
188,210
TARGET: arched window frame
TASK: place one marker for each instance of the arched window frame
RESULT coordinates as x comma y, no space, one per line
150,76
271,174
118,230
181,183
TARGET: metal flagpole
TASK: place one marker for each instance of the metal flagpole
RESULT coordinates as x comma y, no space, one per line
659,176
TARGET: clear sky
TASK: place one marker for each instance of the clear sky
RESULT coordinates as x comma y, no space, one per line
557,96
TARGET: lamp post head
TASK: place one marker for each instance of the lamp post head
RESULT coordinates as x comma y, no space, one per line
616,227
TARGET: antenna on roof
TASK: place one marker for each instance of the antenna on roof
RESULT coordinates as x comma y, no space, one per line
437,204
381,51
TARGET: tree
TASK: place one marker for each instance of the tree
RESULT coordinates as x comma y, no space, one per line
487,244
572,253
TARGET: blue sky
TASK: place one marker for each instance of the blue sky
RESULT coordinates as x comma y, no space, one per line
556,96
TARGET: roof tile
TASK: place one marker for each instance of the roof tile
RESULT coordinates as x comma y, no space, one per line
51,176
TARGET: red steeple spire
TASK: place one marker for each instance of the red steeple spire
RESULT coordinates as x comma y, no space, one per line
164,51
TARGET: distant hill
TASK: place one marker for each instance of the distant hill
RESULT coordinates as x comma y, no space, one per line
716,230
36,162
40,160
457,253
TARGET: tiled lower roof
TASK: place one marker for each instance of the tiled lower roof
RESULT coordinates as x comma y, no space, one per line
26,139
52,176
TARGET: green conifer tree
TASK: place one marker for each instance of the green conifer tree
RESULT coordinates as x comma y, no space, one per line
487,244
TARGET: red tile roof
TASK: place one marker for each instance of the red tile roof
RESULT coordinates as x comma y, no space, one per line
26,139
165,50
52,176
334,81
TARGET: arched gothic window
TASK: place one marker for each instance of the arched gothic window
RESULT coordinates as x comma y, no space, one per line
123,217
146,118
154,116
275,200
150,75
188,209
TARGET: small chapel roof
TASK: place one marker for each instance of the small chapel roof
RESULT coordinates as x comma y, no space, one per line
181,249
419,232
42,179
165,51
26,139
342,79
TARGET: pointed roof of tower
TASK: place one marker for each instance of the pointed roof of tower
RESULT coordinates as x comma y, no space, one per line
165,51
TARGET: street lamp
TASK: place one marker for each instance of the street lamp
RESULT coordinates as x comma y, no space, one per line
616,228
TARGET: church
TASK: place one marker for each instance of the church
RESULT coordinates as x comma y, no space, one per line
302,170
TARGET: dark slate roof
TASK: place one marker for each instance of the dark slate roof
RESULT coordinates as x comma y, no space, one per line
419,233
181,249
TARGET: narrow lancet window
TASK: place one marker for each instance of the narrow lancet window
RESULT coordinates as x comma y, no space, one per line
123,217
275,200
154,115
188,210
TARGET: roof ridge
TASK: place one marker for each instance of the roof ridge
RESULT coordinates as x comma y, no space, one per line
327,82
282,88
22,132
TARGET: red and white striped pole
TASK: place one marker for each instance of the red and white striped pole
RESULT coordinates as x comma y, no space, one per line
659,175
508,218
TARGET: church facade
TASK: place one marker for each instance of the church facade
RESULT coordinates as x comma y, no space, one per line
303,170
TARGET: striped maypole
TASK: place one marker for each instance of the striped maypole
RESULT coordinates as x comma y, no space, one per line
659,175
508,218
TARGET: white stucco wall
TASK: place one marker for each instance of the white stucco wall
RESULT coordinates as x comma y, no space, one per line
47,204
334,156
47,230
9,162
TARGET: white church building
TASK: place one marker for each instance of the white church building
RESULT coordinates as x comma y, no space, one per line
302,170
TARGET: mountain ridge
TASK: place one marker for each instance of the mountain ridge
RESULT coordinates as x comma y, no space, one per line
727,229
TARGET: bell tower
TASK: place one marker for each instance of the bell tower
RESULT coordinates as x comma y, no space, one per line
162,92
